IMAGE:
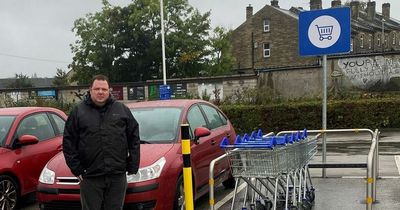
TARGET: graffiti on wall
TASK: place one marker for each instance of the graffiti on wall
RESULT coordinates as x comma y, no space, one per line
366,72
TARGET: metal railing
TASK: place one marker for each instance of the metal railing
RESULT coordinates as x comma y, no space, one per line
372,162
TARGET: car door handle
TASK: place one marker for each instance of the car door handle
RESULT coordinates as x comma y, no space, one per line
59,148
213,142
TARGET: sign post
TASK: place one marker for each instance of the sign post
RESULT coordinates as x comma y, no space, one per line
323,32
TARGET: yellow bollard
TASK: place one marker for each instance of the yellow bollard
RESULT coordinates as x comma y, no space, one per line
187,168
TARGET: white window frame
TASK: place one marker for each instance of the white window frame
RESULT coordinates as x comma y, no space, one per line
266,51
351,45
370,41
362,41
266,25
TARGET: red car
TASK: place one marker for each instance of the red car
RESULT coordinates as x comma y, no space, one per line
29,138
158,184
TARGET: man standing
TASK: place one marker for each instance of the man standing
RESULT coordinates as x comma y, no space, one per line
101,143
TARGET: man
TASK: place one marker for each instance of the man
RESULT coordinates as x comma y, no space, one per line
101,143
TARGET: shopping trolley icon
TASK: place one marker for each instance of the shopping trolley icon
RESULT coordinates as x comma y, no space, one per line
325,32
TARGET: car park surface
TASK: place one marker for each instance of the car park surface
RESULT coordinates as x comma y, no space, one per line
159,182
29,137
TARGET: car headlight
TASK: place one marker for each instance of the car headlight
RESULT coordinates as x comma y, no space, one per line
47,176
147,173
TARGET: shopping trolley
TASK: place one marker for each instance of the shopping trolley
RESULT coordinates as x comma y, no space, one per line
274,168
325,32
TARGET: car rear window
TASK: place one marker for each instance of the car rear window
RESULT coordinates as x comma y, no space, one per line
5,125
157,125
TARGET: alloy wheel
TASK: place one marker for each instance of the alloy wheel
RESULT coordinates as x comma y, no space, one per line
8,194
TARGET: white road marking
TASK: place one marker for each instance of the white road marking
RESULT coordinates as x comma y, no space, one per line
397,159
229,196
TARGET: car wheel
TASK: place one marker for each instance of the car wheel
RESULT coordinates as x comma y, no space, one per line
229,183
8,193
179,202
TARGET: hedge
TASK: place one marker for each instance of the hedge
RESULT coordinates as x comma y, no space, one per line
362,113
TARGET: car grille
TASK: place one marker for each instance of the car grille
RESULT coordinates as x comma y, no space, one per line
76,205
67,180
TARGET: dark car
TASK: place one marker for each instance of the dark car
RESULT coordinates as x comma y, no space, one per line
29,138
158,184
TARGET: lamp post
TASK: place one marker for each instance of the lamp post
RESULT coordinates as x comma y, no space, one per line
163,43
383,34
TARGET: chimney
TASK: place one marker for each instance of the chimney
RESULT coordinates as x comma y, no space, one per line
371,10
315,4
386,11
249,12
355,8
336,3
275,3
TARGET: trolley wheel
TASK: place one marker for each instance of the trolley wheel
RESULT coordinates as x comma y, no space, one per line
310,195
306,205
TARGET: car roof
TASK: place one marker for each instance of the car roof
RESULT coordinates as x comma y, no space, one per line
165,103
23,110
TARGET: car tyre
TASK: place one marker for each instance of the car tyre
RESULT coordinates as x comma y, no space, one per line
179,201
8,193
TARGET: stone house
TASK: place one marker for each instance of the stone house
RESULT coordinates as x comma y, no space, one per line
267,44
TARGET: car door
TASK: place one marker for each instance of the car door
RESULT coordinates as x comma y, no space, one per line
30,159
219,127
199,152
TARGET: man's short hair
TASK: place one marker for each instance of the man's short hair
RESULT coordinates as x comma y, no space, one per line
99,77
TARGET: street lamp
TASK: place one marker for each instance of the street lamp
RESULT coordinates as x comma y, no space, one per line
163,42
383,34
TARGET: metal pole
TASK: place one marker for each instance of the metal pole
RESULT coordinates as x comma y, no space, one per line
163,43
383,34
187,168
324,102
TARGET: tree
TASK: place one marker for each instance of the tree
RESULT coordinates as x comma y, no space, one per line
21,81
61,78
222,59
124,43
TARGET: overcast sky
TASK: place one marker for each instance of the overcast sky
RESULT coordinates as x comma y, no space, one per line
35,35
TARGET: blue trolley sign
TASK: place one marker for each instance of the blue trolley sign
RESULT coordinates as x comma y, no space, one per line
323,32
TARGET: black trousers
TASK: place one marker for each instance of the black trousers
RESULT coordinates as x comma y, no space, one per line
103,192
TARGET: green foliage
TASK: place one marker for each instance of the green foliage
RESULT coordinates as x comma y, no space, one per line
124,43
264,95
61,78
362,113
222,59
21,81
66,107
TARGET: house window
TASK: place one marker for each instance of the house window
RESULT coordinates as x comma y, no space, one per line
370,42
266,50
362,41
394,39
351,45
379,41
266,25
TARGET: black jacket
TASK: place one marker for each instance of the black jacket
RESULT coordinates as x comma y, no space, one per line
101,140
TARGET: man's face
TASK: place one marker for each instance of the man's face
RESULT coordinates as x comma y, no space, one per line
100,92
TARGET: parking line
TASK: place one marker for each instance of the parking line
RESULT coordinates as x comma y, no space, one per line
397,159
229,196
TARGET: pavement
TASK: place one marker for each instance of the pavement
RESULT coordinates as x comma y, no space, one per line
343,189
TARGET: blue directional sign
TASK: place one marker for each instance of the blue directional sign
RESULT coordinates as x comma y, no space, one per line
323,32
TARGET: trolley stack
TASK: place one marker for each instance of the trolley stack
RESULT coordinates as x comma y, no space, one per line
275,169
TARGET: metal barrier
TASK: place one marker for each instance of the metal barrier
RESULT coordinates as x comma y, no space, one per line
372,159
372,163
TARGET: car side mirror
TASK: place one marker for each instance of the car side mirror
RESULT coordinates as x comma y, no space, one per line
200,132
27,140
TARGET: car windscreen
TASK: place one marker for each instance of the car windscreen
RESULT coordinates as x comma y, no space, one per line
5,125
158,124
